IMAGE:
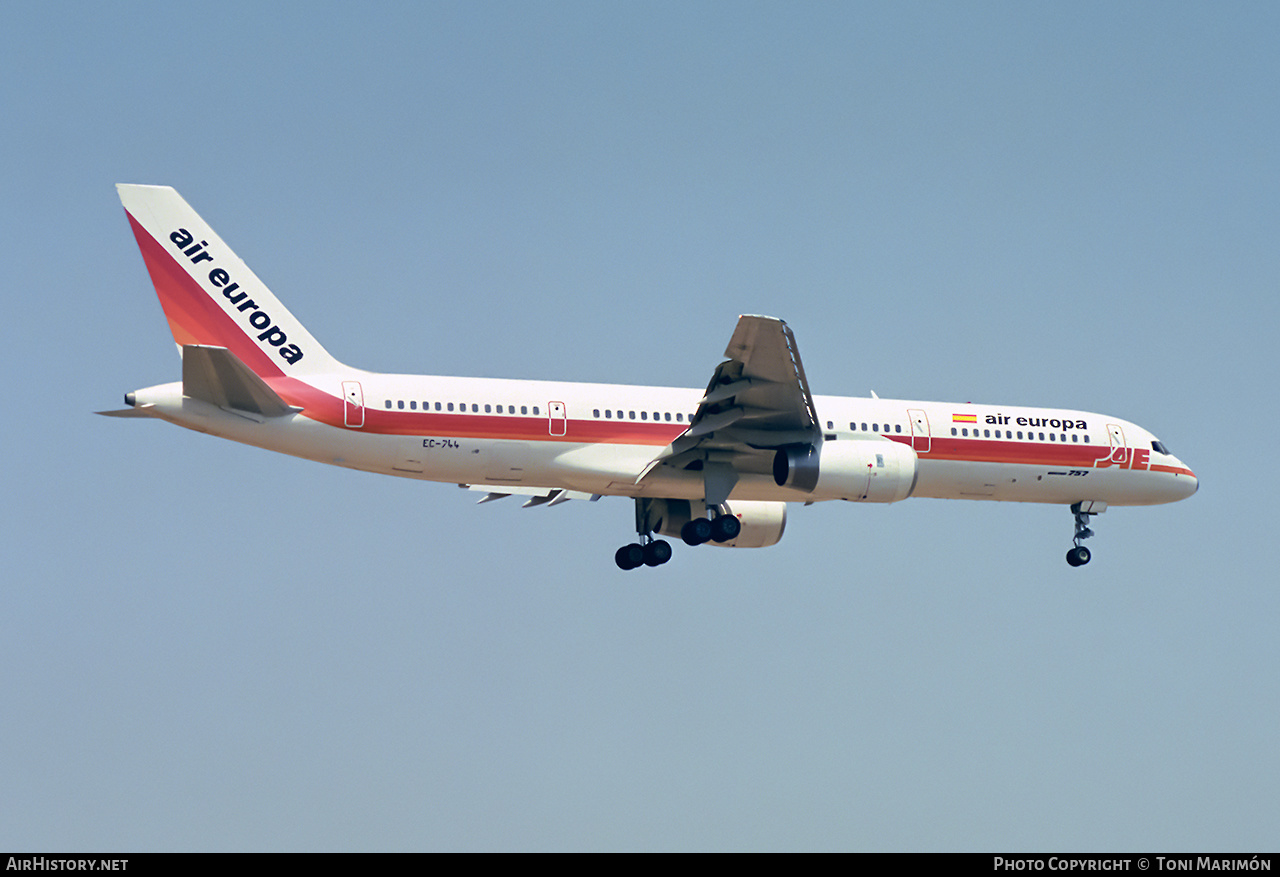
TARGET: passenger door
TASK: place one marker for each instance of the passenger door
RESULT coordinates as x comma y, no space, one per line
352,404
557,418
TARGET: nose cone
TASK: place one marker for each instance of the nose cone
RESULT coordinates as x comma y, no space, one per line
1184,481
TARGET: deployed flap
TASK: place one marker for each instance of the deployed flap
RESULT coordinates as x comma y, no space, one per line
537,495
760,395
757,401
217,376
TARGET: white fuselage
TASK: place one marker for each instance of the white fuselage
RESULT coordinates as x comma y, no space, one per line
599,439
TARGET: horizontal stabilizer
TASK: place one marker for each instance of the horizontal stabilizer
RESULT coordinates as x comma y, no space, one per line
217,376
143,411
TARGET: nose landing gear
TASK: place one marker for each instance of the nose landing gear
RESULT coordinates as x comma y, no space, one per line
1079,555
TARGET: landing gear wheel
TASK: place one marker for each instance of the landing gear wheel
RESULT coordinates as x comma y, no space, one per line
1079,555
629,556
725,528
696,531
657,553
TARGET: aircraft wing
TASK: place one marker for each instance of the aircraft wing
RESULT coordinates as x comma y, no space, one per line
758,400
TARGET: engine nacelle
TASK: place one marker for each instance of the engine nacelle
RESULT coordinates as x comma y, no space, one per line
860,470
762,522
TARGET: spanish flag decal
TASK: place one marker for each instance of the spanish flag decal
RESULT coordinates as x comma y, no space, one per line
964,418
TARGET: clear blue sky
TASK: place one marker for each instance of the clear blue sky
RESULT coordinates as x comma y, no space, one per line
205,646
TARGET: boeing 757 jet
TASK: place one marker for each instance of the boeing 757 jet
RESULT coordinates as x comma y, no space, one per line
715,466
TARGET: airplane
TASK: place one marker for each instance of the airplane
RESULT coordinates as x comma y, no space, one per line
715,466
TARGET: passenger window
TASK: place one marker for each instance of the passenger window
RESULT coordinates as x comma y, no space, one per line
953,430
595,413
400,404
633,415
608,414
535,410
644,415
679,417
450,406
668,416
388,403
897,427
986,433
965,432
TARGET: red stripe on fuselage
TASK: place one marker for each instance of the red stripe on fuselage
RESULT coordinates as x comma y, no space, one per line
1174,470
511,428
196,317
1023,453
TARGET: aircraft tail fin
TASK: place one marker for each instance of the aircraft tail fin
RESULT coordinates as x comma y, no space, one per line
209,296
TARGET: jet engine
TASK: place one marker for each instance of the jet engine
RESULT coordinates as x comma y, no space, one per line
861,470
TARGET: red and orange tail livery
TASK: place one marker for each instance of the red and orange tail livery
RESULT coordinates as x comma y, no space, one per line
209,296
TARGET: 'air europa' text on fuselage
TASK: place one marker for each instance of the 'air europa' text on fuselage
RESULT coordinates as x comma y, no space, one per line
1055,423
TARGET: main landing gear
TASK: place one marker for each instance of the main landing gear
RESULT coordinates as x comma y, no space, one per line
1079,555
654,552
720,527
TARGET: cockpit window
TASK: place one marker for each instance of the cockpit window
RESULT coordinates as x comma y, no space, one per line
1157,445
